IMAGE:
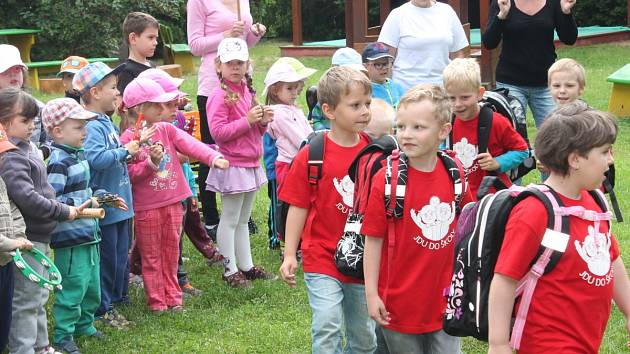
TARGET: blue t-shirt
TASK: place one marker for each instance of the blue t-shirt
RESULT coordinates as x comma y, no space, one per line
389,91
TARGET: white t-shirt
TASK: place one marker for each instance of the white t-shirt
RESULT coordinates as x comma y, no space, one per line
424,38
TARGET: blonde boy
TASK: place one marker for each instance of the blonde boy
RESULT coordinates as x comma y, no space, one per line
567,80
382,119
506,149
423,259
318,213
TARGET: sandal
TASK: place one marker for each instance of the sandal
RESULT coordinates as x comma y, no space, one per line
216,259
259,273
237,280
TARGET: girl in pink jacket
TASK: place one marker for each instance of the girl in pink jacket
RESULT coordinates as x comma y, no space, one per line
237,123
159,186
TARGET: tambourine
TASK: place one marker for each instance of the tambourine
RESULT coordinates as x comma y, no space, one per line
54,276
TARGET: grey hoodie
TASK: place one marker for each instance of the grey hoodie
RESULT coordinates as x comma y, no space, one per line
25,176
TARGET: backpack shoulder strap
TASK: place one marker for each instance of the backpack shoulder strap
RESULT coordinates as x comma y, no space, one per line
456,172
395,184
484,126
449,139
391,184
316,143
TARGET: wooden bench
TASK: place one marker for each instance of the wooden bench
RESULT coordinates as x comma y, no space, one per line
176,53
52,67
619,103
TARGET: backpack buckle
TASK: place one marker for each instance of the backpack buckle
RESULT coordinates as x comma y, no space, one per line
314,171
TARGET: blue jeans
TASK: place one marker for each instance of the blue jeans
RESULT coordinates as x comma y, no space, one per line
334,303
537,97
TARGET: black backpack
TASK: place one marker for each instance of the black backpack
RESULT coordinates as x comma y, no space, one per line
349,251
508,106
479,236
315,141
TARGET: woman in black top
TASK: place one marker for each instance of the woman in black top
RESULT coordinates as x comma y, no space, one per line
527,29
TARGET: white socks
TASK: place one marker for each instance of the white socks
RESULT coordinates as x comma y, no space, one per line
233,234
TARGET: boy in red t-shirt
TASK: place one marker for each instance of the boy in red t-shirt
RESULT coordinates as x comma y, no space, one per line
405,290
571,304
318,214
506,148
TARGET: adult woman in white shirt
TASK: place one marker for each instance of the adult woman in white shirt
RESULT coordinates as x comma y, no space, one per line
424,35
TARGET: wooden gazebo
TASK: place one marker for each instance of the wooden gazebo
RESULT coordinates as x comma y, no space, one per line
358,33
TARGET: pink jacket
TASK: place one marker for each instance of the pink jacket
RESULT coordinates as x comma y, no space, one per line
239,142
207,20
157,186
289,127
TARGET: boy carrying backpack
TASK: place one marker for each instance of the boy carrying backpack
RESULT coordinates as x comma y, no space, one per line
406,297
495,150
567,308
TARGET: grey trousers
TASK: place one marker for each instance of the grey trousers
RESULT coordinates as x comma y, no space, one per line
437,342
29,330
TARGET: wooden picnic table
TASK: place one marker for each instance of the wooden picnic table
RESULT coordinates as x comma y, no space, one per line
22,38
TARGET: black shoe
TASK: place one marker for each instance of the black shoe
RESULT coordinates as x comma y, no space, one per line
212,231
67,346
253,228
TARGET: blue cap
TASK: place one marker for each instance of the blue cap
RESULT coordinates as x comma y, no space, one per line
376,50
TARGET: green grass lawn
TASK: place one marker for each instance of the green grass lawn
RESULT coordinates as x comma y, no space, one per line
271,318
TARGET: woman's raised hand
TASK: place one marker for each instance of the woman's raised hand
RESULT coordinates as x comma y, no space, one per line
504,8
566,6
237,30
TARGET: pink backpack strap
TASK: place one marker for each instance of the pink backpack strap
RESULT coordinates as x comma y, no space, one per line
527,285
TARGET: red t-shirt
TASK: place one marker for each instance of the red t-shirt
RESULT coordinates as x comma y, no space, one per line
571,304
423,251
503,138
333,202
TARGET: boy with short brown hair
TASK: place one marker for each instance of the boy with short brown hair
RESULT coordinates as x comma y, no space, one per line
318,214
140,34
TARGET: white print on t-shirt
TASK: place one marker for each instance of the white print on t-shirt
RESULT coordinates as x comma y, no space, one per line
595,251
345,188
465,152
434,220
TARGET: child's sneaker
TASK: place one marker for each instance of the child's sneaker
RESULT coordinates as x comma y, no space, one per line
49,350
216,259
136,280
115,319
237,280
259,273
177,309
66,345
191,290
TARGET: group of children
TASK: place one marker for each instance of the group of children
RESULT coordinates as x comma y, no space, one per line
144,166
406,284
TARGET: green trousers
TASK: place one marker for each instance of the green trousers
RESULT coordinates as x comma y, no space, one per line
77,302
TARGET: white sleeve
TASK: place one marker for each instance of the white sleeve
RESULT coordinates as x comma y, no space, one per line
459,36
390,31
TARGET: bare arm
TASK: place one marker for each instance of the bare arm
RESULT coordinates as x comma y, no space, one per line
458,54
500,306
621,290
392,50
296,217
371,270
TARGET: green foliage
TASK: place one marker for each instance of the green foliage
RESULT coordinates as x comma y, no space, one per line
601,12
91,28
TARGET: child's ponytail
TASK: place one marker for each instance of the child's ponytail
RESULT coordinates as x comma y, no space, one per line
250,87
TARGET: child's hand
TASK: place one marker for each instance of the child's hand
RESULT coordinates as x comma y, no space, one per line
146,134
120,204
238,27
23,244
255,114
221,163
156,152
194,204
487,162
267,115
75,211
287,270
133,147
259,30
377,311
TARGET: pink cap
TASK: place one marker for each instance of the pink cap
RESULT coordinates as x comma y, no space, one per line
168,83
142,90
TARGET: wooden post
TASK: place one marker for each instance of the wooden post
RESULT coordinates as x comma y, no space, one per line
356,22
386,8
487,61
628,6
296,14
